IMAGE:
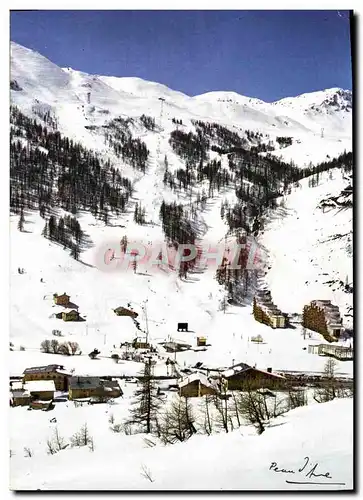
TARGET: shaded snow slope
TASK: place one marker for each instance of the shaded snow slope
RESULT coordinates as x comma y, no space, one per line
310,248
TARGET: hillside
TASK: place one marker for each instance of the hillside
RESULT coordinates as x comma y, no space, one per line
98,160
302,432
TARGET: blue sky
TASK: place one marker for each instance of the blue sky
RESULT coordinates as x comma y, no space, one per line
263,54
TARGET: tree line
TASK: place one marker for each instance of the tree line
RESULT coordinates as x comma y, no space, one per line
48,169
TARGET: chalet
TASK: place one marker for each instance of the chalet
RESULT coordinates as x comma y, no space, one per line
123,311
19,396
61,300
57,373
40,390
197,385
69,315
265,311
93,387
323,317
201,341
243,376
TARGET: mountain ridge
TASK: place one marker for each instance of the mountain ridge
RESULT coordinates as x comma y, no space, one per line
116,83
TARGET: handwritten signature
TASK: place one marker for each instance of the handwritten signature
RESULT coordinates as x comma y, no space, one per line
308,469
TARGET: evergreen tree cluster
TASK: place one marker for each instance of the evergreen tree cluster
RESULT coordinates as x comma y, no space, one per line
284,141
176,224
148,122
190,147
66,231
118,136
176,121
222,137
139,214
46,117
48,169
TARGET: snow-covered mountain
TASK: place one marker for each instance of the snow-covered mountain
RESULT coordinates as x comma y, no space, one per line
306,234
41,85
65,91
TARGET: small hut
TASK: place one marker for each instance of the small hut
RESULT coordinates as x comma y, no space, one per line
61,300
123,311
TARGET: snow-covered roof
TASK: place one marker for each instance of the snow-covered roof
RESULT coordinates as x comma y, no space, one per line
45,369
243,367
92,383
16,385
19,393
235,369
198,377
40,385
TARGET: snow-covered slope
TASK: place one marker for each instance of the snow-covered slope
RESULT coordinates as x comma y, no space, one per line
310,246
65,91
240,460
306,260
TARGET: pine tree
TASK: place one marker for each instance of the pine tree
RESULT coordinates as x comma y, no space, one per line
75,251
52,227
146,403
136,213
21,221
61,236
45,230
105,216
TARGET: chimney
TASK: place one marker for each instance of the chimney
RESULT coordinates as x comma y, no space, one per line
269,370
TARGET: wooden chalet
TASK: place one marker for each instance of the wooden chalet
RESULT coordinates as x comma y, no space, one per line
93,387
323,317
61,300
123,311
243,376
69,315
57,373
197,385
265,311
